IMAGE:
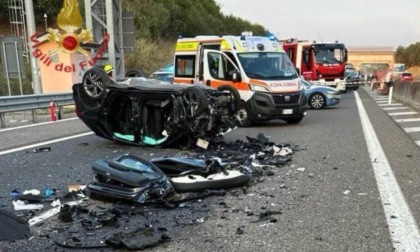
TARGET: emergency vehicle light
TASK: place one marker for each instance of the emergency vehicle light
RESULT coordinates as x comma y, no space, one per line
245,34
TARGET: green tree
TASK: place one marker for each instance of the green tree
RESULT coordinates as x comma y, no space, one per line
410,55
158,24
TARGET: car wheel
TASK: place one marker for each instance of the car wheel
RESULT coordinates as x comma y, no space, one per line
195,101
244,115
317,101
234,95
95,80
134,73
294,120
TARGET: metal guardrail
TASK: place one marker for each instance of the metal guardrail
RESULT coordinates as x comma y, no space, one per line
408,92
32,102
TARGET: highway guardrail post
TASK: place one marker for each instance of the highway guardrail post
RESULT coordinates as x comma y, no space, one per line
2,120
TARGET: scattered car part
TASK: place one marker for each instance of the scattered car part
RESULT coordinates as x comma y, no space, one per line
129,178
193,175
221,180
19,205
138,239
138,111
13,228
42,149
179,166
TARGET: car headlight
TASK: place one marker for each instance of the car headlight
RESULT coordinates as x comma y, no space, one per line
300,86
331,92
258,88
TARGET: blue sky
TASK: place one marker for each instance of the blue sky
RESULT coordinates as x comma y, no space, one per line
355,23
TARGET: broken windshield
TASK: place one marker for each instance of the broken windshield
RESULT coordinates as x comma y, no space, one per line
267,65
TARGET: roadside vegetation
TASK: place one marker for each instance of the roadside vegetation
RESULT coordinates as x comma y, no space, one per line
158,24
410,56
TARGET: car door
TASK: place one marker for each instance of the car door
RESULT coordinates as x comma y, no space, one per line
219,69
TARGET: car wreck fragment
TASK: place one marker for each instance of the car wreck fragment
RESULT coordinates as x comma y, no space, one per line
132,178
129,178
199,175
147,112
227,165
135,193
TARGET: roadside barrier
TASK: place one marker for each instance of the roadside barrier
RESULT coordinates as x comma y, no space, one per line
10,104
407,92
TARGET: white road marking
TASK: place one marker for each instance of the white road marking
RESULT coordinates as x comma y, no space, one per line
381,99
44,143
393,104
412,129
408,120
396,108
403,113
403,229
37,124
418,143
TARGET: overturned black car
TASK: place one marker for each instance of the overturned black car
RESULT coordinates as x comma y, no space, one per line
142,111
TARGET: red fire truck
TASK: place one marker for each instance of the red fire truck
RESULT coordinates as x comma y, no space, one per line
319,63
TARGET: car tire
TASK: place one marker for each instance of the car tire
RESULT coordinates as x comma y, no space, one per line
234,94
317,101
134,73
294,120
243,115
95,81
195,101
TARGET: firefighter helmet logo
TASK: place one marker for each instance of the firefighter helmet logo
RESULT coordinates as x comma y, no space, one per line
71,35
68,39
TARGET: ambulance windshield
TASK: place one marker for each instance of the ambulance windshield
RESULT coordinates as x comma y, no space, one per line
267,65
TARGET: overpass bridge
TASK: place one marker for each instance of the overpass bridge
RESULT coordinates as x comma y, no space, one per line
378,54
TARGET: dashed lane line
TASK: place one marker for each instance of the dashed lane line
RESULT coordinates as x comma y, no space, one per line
407,120
405,235
412,129
403,113
396,108
44,143
392,104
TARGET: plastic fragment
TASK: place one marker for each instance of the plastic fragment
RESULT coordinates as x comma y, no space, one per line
19,205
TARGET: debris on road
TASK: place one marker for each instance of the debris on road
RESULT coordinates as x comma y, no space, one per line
100,214
12,228
38,150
